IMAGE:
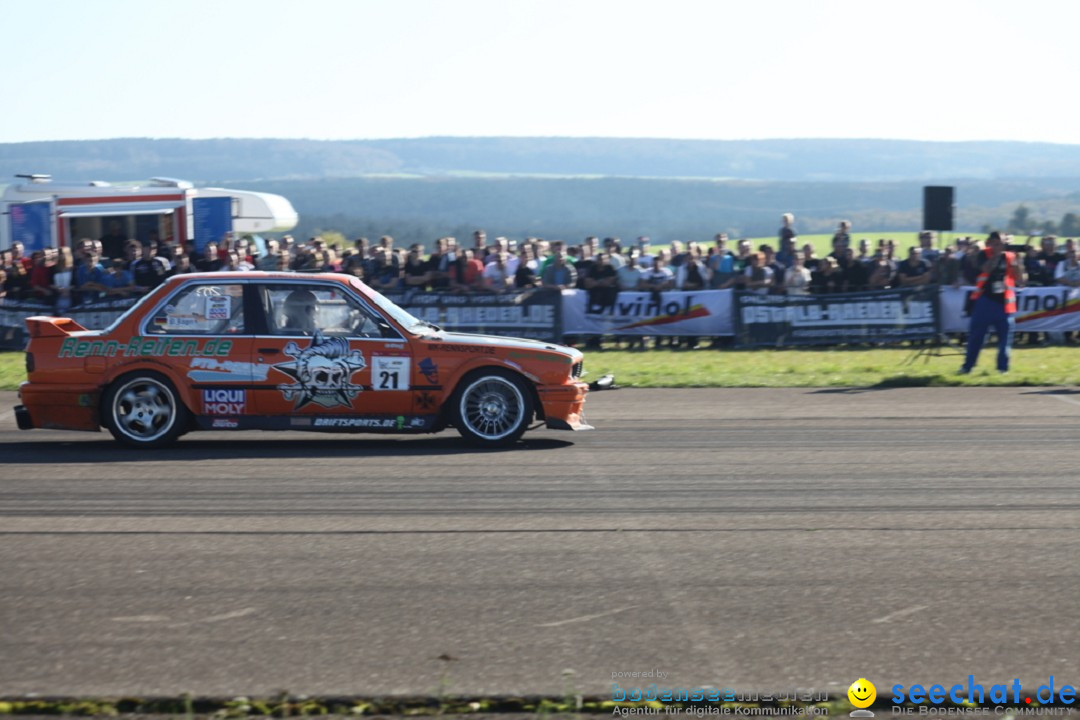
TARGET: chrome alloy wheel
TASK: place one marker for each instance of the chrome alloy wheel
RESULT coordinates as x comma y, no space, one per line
492,407
144,409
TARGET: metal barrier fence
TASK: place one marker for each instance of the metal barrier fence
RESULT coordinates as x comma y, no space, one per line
753,320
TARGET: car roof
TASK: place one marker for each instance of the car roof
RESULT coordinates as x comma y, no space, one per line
353,282
249,275
262,275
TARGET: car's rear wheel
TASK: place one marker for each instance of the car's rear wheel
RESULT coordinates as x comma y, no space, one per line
492,407
143,410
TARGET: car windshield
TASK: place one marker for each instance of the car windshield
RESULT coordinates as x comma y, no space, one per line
409,322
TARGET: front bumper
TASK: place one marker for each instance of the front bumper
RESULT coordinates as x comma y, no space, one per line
558,424
564,406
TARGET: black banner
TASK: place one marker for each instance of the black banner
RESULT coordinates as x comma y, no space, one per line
880,316
91,315
534,314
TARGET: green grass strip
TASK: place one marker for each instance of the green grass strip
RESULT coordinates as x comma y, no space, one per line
830,367
284,705
12,370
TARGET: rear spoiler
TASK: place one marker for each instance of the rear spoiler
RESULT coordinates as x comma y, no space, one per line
41,326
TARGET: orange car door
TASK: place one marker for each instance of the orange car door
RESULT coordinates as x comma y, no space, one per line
325,354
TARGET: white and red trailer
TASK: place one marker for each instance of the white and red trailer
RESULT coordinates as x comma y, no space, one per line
41,213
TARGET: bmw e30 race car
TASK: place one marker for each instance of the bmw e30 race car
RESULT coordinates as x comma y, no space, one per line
281,351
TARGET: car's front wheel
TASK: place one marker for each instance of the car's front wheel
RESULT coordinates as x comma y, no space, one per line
143,410
492,408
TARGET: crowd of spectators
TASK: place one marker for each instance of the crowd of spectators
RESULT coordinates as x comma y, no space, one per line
66,277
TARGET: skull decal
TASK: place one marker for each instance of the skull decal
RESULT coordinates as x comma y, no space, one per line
323,372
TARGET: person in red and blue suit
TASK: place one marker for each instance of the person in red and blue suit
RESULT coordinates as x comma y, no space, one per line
993,303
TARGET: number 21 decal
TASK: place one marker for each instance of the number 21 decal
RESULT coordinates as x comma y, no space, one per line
390,372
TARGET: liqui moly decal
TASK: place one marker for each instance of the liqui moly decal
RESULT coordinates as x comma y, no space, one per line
224,402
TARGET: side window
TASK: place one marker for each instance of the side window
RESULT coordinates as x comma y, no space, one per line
210,309
296,309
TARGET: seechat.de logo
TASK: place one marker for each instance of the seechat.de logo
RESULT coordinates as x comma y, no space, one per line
974,692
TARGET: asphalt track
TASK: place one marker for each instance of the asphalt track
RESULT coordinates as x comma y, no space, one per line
736,538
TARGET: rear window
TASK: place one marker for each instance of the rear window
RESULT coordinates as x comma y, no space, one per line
204,309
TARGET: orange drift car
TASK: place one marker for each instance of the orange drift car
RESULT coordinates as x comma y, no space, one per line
279,351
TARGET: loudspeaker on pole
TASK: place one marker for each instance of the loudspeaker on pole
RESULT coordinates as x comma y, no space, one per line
938,205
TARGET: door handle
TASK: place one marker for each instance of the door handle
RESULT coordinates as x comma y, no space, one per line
269,351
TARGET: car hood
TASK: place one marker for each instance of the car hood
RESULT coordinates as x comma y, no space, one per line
510,343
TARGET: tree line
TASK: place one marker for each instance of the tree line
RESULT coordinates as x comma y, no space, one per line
1024,222
421,209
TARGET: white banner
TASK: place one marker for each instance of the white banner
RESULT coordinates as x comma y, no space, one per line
953,319
702,313
1038,309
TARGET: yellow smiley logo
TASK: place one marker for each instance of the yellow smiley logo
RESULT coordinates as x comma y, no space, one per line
862,693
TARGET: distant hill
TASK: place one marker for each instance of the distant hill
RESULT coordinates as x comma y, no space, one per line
420,209
568,188
768,160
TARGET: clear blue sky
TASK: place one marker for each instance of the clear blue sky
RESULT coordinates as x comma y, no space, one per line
332,69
